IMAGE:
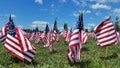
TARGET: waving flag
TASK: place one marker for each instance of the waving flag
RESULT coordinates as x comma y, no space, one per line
46,37
83,37
0,33
56,31
74,48
32,36
92,35
54,36
105,33
66,35
36,36
17,44
118,37
3,34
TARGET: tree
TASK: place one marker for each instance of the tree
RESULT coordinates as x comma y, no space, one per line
55,26
117,27
65,26
86,30
36,29
92,29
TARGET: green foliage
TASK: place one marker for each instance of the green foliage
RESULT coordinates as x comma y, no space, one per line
92,57
65,26
86,30
92,29
117,26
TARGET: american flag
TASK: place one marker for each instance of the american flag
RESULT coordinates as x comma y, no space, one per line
105,33
92,35
57,37
118,37
83,37
3,34
54,36
74,48
66,36
56,31
44,39
51,47
46,36
0,33
28,35
3,38
17,44
37,37
32,36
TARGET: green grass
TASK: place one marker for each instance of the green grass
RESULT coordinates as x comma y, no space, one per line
92,57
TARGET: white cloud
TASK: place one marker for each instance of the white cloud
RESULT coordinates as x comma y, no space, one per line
52,5
20,26
77,13
117,11
76,2
83,3
88,11
80,2
105,1
39,1
41,27
60,29
85,11
62,1
41,24
98,13
12,15
106,17
90,25
54,9
100,6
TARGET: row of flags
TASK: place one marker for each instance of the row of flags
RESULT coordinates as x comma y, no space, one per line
16,41
104,33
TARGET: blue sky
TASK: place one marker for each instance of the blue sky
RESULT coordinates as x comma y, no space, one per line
29,13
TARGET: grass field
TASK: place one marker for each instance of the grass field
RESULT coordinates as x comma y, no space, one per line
92,57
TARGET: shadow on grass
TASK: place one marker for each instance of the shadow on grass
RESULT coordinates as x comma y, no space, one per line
85,49
66,43
82,64
85,63
54,52
16,60
34,63
113,56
